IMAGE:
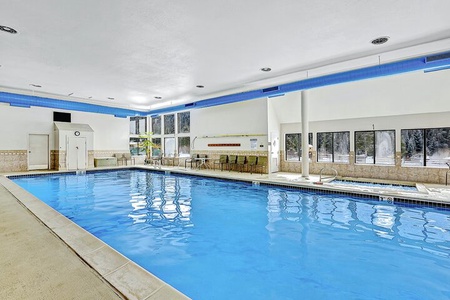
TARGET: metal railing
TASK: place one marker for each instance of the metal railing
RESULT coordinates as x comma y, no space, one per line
321,177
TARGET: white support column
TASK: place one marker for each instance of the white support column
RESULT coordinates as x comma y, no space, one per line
305,133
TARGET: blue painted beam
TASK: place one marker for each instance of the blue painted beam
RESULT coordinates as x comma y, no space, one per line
425,63
28,101
441,60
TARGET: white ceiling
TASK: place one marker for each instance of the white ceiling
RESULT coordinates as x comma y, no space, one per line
136,50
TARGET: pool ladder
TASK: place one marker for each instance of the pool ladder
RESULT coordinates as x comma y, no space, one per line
447,173
328,177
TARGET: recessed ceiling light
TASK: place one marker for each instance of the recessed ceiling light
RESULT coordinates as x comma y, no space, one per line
90,97
200,86
35,85
158,97
111,98
379,41
8,29
70,94
266,69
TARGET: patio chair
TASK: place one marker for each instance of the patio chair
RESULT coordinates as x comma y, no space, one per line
128,158
199,162
251,163
223,160
261,163
240,163
231,162
191,160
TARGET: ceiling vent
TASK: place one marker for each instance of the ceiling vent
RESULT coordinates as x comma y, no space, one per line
437,57
380,40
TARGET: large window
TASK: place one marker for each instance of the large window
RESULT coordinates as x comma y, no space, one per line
169,124
184,122
156,125
169,147
156,151
293,146
135,146
426,147
138,125
184,146
375,147
333,147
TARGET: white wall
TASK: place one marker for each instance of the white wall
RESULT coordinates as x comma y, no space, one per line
110,133
403,94
249,117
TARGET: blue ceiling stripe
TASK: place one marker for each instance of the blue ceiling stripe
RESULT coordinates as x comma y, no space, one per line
27,101
426,63
410,65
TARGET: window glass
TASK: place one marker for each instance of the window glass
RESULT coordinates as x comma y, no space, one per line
156,125
437,147
184,146
138,125
364,147
341,147
385,147
156,151
184,122
293,146
169,146
324,147
135,148
412,147
169,124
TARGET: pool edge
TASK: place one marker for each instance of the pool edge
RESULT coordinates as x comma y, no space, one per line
121,273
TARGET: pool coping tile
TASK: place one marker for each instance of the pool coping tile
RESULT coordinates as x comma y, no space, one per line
125,276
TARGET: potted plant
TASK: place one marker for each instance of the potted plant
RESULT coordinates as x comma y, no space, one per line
147,143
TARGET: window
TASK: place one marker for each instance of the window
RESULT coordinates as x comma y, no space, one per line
138,125
184,122
184,146
156,125
293,146
156,151
436,151
135,146
333,147
169,146
375,147
169,124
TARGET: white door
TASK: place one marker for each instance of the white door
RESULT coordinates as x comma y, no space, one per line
38,152
76,153
274,150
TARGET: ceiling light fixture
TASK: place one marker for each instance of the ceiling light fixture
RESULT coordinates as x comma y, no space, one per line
35,85
111,98
158,97
90,97
8,29
266,69
379,41
70,94
200,86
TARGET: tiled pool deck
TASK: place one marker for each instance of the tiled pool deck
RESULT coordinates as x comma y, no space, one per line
45,255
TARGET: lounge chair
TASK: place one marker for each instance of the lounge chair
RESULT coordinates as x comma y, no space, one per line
251,163
223,160
261,163
232,162
240,163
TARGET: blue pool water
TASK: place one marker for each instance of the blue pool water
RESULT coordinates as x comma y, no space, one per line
215,239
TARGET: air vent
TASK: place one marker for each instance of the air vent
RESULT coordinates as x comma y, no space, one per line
437,57
380,40
271,89
189,105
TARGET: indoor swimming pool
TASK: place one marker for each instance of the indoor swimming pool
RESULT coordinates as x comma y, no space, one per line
219,239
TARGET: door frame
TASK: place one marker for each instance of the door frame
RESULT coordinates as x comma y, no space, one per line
48,152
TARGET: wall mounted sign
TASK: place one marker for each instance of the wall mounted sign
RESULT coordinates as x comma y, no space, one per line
224,145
